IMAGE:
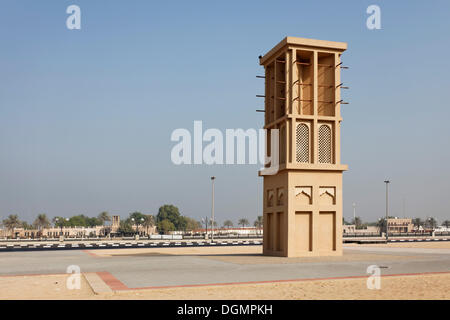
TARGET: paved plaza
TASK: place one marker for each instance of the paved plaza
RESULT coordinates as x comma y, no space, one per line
124,269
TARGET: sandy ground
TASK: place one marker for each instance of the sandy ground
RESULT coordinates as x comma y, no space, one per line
434,286
407,287
42,287
424,244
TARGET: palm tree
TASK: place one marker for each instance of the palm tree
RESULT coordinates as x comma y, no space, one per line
12,222
41,222
137,219
446,223
104,216
431,223
228,223
381,224
357,222
149,221
417,222
243,222
258,223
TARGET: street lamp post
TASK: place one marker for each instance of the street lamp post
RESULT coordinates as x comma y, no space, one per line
212,210
205,220
354,214
137,224
387,208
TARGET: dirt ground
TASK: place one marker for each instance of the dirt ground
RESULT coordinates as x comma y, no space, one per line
433,286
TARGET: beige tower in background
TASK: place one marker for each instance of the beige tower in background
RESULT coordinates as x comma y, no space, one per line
303,200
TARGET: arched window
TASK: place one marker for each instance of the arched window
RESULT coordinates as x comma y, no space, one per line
325,144
302,143
270,198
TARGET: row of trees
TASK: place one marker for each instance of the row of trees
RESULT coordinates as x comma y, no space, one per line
258,223
167,219
42,221
429,223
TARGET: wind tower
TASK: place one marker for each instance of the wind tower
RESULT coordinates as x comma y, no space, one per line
303,200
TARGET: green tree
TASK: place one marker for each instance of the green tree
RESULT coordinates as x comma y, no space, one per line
417,222
164,226
192,224
182,224
149,221
258,223
228,224
381,224
76,221
243,222
171,213
94,221
27,226
41,222
431,223
358,223
137,219
125,227
60,222
103,217
446,223
12,222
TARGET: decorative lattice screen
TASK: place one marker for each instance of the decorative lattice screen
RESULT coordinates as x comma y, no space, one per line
325,147
302,143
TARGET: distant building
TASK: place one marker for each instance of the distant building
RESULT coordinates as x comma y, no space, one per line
400,225
351,228
54,232
442,229
239,231
115,223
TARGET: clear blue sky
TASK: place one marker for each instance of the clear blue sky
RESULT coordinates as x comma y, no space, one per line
86,115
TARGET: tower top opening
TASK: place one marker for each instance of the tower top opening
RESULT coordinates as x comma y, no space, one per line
311,44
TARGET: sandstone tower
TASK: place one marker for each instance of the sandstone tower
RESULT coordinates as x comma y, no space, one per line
303,200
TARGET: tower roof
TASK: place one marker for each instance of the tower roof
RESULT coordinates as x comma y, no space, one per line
306,43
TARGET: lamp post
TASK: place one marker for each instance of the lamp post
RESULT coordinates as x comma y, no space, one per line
354,214
212,210
137,223
205,221
387,208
